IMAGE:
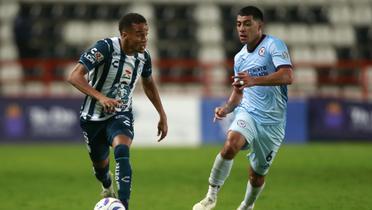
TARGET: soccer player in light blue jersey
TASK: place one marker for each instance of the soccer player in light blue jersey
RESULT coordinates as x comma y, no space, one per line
259,101
113,66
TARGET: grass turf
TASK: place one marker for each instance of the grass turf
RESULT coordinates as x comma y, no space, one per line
303,177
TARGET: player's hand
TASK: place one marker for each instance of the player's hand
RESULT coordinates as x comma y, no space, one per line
109,104
220,113
162,129
242,80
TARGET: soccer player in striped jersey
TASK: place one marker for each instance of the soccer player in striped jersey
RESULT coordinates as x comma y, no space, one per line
113,67
259,101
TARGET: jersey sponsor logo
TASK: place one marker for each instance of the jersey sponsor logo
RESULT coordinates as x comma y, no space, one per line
115,63
261,52
94,56
89,57
258,71
127,73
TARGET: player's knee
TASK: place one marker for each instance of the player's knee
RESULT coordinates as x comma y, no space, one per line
230,149
121,151
100,164
255,179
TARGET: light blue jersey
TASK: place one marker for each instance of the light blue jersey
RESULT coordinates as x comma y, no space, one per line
266,104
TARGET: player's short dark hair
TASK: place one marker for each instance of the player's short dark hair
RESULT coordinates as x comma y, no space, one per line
251,10
127,20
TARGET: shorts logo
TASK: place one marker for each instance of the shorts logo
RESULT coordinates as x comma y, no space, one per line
261,52
241,123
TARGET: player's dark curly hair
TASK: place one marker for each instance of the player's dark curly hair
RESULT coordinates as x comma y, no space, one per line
251,10
127,20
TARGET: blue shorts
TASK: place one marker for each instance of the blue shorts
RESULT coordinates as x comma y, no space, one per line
99,135
263,141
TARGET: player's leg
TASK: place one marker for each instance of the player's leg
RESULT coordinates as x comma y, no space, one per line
239,131
103,174
120,131
255,186
221,169
263,153
98,148
123,169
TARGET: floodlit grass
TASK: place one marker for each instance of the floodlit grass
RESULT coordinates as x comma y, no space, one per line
303,177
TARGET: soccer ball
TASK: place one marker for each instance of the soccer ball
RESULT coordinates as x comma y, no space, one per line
109,204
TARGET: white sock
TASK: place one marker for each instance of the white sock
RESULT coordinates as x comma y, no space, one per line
252,194
212,192
220,171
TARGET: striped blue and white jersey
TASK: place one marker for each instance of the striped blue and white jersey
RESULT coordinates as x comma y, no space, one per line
114,74
266,104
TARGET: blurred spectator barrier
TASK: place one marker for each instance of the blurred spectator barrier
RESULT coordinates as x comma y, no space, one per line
345,79
337,119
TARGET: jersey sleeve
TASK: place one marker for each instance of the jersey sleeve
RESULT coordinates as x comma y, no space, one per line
147,68
279,53
95,55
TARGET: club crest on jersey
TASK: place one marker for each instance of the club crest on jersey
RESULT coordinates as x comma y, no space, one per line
241,123
261,52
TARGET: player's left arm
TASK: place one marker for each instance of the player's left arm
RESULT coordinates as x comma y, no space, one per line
152,93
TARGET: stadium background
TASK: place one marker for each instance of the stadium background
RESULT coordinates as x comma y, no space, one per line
192,44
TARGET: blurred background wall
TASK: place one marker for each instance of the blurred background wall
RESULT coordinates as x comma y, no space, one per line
192,44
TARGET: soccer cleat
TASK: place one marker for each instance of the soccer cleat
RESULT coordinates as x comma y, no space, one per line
108,192
206,204
245,207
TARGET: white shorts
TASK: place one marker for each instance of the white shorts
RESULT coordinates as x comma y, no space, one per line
262,140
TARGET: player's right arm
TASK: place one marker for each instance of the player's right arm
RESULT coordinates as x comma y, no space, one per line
78,80
234,100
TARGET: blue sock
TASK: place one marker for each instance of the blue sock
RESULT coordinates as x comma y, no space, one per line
123,173
103,176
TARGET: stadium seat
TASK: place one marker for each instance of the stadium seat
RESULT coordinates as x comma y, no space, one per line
8,10
211,33
321,34
8,51
212,53
11,72
324,54
278,30
340,14
74,32
298,34
59,88
362,14
301,54
11,89
34,88
210,9
343,35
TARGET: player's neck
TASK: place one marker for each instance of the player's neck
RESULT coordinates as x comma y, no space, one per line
253,45
125,49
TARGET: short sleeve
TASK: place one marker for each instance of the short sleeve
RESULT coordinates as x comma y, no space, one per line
147,67
279,53
95,55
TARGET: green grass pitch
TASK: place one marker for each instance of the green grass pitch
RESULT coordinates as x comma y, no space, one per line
303,177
